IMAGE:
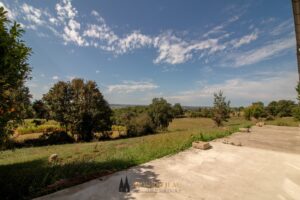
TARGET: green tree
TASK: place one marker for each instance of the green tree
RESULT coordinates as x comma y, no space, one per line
256,110
40,109
160,112
296,109
221,109
80,107
285,107
298,92
59,99
14,71
177,110
272,108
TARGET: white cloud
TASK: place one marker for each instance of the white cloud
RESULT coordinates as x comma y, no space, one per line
65,10
55,77
261,53
133,41
243,91
283,27
95,13
245,40
132,86
97,71
32,14
173,50
101,32
66,14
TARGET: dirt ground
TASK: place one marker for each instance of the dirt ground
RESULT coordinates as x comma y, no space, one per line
266,166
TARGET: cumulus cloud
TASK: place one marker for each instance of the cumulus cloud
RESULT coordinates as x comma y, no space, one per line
132,86
66,14
275,87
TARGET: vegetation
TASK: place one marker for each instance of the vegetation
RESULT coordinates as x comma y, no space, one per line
14,71
221,109
256,110
177,110
40,110
160,112
26,172
38,126
80,107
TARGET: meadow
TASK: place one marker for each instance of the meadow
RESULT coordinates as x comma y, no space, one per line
26,172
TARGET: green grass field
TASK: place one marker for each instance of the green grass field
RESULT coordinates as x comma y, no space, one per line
25,173
284,121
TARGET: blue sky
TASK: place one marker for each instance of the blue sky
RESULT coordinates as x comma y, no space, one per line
183,51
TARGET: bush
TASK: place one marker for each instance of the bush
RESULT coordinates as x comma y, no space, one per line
140,125
56,137
296,112
282,124
270,118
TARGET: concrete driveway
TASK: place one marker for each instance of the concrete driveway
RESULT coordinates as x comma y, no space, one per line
266,166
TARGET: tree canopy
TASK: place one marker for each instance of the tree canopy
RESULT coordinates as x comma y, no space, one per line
80,107
14,71
160,111
221,109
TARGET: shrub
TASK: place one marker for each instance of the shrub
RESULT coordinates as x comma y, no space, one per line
56,137
296,112
140,125
282,124
269,118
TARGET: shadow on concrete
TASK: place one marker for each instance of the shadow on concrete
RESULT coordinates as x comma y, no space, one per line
36,178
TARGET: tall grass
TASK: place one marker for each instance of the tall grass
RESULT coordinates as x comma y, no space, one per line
26,173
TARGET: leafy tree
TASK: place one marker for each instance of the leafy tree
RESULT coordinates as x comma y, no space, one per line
256,110
160,112
59,100
177,110
272,108
296,112
40,109
285,107
221,109
80,107
298,92
14,71
296,109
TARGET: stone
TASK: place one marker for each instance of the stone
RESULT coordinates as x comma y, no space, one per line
247,130
53,158
201,145
260,124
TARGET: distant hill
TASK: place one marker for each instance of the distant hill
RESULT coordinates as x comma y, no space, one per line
116,106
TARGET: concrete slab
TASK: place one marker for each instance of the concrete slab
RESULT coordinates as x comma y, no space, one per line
224,172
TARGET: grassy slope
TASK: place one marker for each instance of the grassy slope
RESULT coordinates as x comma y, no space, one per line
26,172
284,121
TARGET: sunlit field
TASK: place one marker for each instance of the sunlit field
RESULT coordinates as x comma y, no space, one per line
26,172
